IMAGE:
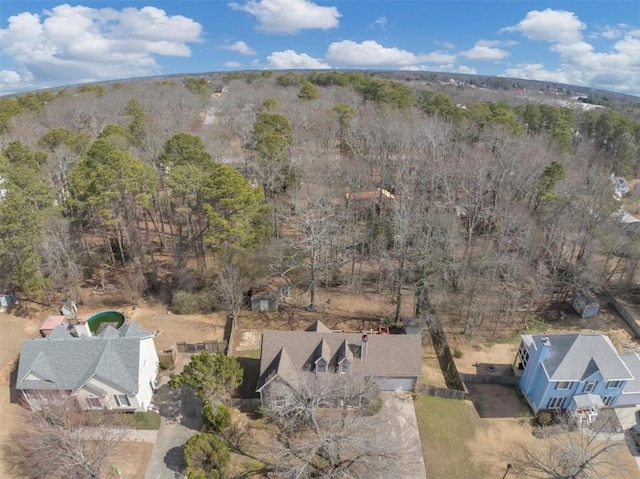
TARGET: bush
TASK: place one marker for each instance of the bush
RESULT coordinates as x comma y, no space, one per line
185,302
206,457
457,353
545,419
372,407
166,362
216,417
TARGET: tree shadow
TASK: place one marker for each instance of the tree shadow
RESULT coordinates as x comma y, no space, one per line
250,375
179,405
174,459
14,395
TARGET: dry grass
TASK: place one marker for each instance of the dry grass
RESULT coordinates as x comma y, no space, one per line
131,459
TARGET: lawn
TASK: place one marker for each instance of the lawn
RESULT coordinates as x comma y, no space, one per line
446,427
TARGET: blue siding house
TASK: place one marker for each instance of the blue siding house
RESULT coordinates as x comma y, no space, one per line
575,373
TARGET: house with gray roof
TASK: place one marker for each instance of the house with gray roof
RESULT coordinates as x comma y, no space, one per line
577,373
394,362
114,370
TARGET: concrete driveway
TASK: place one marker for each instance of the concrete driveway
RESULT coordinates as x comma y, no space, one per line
181,414
397,422
627,417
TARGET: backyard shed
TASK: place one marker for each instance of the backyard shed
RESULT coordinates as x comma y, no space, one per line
585,303
264,301
7,301
69,309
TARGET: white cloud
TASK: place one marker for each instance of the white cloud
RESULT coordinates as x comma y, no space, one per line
291,60
10,80
484,52
466,69
550,25
289,16
536,71
438,57
496,43
78,44
232,64
368,53
380,23
239,47
617,68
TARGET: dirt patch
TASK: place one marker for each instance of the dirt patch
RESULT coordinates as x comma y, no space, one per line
178,327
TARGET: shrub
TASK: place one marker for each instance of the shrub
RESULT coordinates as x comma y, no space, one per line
372,407
206,457
457,353
185,302
217,417
545,419
166,363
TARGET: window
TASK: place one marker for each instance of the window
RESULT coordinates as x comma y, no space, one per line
279,402
321,366
555,403
590,386
344,367
608,400
564,385
122,400
95,402
614,384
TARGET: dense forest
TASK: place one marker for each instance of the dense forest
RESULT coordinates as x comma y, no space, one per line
193,190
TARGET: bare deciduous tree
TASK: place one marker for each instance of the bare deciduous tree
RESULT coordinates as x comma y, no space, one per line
328,428
61,443
572,453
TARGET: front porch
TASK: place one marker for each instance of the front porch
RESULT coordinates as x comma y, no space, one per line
584,408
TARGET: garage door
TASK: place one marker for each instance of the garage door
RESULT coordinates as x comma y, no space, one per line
396,384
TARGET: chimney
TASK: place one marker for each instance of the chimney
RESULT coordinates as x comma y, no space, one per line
364,347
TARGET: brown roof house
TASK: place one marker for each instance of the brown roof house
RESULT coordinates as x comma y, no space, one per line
394,362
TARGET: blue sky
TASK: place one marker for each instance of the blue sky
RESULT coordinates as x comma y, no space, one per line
587,42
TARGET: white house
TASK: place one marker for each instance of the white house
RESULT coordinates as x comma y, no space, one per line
115,370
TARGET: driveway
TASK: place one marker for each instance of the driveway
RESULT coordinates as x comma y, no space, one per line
181,414
397,422
627,418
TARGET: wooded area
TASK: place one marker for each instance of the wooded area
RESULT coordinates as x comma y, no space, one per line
194,190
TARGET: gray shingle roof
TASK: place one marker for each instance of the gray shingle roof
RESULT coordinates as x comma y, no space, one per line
63,361
389,355
633,363
575,357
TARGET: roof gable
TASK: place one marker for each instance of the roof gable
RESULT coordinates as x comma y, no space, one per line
62,361
576,357
388,355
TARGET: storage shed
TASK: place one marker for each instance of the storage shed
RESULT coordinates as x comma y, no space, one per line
585,303
264,301
7,301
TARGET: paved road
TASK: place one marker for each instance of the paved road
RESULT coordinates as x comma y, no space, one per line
181,415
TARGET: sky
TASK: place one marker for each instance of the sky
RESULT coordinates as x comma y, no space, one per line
583,42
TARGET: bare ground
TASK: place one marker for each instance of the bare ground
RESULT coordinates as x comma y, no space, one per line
131,459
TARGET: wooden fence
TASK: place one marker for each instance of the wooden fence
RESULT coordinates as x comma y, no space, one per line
446,393
211,346
489,379
624,314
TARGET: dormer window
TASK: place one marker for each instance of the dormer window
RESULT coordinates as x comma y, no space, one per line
345,367
321,366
